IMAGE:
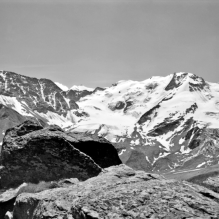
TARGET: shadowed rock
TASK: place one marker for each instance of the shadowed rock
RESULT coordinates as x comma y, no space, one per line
98,148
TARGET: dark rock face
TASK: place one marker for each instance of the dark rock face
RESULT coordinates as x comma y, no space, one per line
121,192
98,89
98,148
205,142
76,95
31,153
176,81
149,114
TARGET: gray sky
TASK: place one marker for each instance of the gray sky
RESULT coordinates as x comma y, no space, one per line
96,43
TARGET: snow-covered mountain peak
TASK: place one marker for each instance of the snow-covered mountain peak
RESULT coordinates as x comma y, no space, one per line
81,88
189,81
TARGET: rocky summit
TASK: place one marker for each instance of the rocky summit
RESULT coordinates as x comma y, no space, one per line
31,153
120,192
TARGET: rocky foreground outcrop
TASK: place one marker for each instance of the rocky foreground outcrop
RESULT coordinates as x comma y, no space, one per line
31,153
120,192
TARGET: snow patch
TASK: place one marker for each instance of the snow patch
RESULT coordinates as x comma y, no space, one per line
201,164
81,88
13,103
63,87
123,150
183,151
181,140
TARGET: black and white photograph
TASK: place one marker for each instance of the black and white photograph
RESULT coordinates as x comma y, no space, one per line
109,109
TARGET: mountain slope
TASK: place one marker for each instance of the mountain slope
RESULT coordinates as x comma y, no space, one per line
164,119
37,98
159,124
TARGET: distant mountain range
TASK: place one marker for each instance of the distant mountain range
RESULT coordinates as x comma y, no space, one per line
161,124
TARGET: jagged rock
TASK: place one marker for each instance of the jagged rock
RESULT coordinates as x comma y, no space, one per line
121,192
32,153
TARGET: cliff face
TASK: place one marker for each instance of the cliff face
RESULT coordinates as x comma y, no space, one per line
31,153
121,192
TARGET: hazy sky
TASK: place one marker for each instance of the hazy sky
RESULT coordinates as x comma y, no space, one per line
96,43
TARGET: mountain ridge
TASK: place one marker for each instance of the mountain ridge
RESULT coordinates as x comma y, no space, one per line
159,120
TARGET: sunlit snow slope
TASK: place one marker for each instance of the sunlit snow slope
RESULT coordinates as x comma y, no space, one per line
156,124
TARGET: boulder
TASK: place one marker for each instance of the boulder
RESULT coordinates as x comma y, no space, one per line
120,192
32,154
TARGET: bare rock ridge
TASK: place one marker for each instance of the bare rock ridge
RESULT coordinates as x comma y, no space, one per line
121,192
75,95
31,153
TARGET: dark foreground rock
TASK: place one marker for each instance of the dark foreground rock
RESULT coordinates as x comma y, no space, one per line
121,192
31,153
